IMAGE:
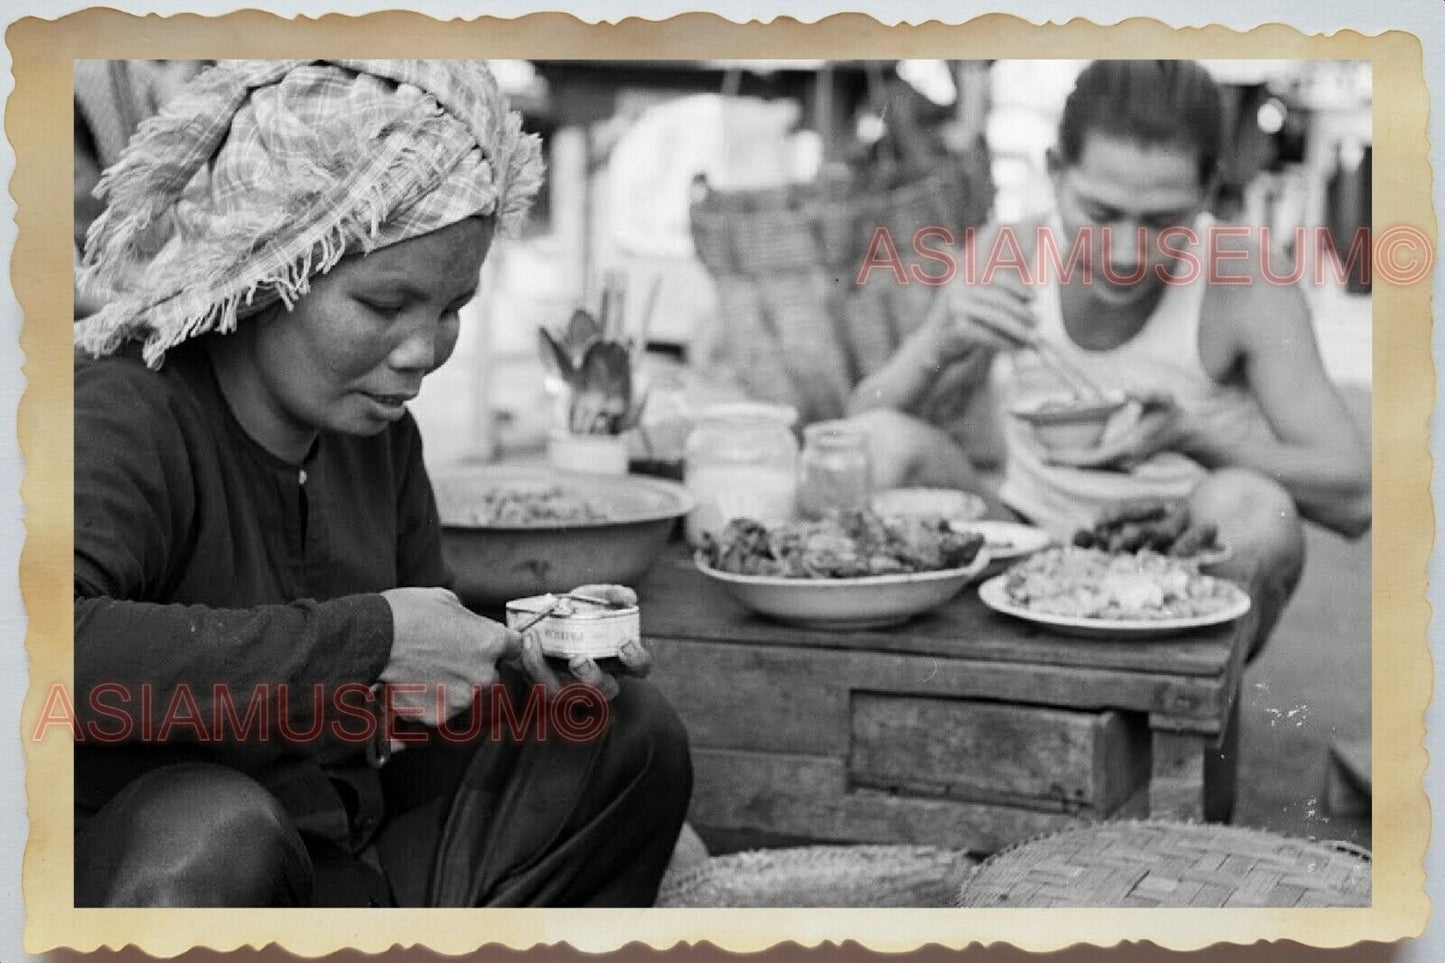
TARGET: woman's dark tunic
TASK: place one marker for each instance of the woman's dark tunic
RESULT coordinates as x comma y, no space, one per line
203,564
201,559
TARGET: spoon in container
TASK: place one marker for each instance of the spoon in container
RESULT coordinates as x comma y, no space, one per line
557,600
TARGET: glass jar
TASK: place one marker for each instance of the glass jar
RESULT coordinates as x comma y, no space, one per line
742,461
834,472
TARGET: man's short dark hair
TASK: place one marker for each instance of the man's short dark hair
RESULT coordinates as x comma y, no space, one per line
1166,103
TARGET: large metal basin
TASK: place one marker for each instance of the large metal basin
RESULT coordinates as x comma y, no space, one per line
495,564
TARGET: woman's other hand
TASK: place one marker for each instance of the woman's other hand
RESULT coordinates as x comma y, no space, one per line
438,643
632,659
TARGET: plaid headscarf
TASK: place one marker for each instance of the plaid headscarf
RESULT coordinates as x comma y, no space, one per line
265,173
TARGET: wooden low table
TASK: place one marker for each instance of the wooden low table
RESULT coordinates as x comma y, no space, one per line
963,727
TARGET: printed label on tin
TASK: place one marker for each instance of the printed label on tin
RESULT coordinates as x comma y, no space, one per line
596,635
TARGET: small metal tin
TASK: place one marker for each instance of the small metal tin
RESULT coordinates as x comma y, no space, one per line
577,627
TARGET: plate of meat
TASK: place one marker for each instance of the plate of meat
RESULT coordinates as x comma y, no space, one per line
852,570
1162,526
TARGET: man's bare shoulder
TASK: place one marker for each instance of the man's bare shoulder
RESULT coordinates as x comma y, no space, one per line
1251,293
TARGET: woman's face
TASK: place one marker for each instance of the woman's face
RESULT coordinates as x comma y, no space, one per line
355,348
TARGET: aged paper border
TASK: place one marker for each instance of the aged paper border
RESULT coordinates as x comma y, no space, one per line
38,125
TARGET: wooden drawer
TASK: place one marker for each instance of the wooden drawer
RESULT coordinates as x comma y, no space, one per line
810,797
994,752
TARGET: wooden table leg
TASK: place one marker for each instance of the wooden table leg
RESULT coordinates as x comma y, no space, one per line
1176,782
1191,776
1221,771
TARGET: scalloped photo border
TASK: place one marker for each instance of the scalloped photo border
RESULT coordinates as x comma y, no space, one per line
38,124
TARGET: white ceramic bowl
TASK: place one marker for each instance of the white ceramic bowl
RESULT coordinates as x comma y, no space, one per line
1066,423
869,602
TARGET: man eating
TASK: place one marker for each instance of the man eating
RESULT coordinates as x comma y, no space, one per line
1231,408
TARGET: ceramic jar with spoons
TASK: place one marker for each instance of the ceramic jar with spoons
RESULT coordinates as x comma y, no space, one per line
594,367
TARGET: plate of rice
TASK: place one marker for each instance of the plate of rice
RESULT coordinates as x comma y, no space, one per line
1093,593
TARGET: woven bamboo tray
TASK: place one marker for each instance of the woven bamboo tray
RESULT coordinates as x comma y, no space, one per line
1159,863
922,876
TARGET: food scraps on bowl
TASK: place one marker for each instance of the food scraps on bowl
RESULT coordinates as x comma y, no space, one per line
1070,423
841,545
1062,408
523,507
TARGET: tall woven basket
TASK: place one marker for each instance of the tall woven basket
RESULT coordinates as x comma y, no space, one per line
794,326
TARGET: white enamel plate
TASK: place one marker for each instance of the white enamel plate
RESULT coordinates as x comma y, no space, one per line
994,594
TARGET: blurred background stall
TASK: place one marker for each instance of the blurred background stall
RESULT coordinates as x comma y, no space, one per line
634,147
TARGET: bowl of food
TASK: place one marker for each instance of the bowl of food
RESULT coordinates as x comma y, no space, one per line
848,571
508,533
950,503
1070,422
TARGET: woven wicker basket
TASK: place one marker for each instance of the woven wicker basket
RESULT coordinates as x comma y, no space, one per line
921,876
1159,863
793,327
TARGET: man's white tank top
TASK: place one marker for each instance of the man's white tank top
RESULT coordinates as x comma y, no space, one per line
1162,356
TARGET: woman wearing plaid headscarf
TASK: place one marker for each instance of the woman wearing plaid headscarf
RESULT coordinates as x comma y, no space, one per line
256,541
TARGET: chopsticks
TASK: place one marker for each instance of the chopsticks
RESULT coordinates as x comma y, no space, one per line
1066,369
1077,381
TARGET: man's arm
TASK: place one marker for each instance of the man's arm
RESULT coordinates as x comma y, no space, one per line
1318,454
966,325
907,380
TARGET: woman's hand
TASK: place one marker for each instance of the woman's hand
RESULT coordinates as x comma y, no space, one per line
1157,426
632,659
438,643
